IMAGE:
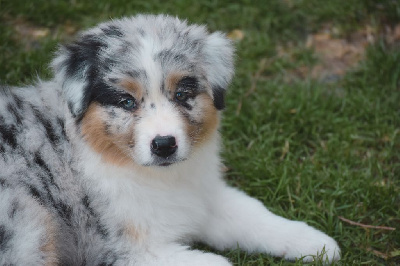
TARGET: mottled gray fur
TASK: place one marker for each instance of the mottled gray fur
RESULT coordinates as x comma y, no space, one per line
38,183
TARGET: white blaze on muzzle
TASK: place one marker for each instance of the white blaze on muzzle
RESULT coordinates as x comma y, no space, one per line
155,130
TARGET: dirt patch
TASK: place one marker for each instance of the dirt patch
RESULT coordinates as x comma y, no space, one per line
30,35
337,55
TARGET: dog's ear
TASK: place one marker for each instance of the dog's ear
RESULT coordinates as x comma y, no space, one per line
218,52
76,68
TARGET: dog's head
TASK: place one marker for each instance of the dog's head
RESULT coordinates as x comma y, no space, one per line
146,89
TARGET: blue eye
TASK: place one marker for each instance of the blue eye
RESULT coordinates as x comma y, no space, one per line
128,104
181,96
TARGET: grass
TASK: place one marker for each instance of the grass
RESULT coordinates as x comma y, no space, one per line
310,149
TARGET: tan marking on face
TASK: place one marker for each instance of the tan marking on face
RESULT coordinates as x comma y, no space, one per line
93,131
202,131
173,79
49,245
133,87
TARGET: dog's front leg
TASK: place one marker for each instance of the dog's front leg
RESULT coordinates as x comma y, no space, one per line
239,220
177,255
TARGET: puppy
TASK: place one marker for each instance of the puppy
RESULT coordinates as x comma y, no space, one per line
115,161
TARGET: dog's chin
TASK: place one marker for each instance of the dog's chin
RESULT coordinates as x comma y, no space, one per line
164,162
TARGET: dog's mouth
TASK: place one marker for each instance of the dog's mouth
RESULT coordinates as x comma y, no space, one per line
164,162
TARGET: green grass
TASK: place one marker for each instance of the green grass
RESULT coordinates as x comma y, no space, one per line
310,150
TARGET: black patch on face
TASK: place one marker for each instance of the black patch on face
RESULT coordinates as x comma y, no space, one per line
188,83
5,237
152,106
219,98
112,31
186,105
113,80
108,96
189,86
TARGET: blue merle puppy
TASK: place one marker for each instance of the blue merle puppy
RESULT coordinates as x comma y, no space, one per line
115,161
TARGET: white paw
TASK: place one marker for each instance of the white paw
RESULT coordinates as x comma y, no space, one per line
205,259
308,244
190,257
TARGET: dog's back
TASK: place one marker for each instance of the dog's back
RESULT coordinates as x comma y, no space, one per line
30,138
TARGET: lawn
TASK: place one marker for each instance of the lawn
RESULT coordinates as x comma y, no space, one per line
312,123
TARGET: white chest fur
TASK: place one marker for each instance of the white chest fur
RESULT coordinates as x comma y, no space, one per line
164,203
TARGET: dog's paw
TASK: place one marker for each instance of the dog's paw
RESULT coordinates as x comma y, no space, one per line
188,257
204,259
309,244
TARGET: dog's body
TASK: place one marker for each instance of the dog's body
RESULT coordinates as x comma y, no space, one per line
116,160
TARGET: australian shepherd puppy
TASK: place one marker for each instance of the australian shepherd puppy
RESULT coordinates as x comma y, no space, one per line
115,161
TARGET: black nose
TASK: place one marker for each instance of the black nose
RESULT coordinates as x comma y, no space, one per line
163,146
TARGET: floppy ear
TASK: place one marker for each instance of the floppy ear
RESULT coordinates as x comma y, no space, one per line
76,68
219,52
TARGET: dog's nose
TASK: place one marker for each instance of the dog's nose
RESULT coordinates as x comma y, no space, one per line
163,146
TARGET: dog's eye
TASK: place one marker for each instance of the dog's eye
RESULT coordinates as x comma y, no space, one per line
182,96
128,104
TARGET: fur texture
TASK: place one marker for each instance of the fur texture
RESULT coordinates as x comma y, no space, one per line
115,161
